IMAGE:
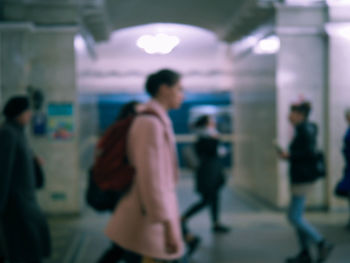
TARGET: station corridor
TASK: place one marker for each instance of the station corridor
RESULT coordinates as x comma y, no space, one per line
244,65
260,234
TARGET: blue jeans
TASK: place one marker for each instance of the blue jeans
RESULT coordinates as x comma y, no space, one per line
305,231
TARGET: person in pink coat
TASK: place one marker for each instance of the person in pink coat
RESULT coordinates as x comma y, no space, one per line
146,222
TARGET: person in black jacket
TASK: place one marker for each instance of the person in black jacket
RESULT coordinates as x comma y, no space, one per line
209,175
346,153
301,156
25,233
342,188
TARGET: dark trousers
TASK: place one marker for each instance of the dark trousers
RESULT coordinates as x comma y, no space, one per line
131,257
113,255
212,201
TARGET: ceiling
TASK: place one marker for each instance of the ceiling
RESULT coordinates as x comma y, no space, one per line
228,19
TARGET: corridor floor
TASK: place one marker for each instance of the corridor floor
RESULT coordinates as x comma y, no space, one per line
259,234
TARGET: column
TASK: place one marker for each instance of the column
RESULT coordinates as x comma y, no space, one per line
53,71
338,30
14,61
301,74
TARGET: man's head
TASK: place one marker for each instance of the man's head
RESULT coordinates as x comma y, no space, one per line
165,86
299,112
18,109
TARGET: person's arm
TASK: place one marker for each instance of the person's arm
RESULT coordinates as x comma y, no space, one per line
148,138
7,155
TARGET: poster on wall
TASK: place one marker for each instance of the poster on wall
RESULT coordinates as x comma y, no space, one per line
61,121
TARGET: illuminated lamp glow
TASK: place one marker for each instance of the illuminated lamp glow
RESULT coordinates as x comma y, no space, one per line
158,44
79,43
344,32
269,45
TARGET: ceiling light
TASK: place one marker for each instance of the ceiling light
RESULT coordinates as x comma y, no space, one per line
269,45
79,43
158,44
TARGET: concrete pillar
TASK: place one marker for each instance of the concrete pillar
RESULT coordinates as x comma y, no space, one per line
301,73
44,58
14,61
255,160
53,71
338,30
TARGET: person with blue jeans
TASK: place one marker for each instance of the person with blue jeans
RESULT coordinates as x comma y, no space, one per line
302,156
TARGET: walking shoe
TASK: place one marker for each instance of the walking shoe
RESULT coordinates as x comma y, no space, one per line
302,257
221,229
324,250
192,245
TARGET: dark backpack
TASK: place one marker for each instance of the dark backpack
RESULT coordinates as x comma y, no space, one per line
111,175
320,165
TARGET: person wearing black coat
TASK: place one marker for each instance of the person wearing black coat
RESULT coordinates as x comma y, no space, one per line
24,231
342,188
209,175
346,153
302,169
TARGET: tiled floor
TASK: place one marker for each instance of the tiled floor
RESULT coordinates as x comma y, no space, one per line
259,235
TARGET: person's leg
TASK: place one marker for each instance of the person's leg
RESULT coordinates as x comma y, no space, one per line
112,255
296,217
214,209
192,241
295,212
306,232
195,208
214,201
348,224
130,257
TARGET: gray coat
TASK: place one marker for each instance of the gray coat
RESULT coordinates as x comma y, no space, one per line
25,232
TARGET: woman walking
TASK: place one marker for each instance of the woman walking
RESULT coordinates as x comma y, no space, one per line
301,156
209,175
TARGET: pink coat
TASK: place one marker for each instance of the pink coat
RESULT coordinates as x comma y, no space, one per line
137,222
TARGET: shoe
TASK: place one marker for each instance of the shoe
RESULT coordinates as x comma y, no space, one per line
300,258
324,250
192,245
221,229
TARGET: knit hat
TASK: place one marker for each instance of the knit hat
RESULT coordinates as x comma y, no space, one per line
15,106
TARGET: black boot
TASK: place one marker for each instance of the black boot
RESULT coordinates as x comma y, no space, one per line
302,257
220,229
324,250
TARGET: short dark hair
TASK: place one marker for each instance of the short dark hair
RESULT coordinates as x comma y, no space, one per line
202,122
303,108
164,76
128,110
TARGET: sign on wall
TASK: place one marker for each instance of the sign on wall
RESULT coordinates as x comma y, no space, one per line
61,121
